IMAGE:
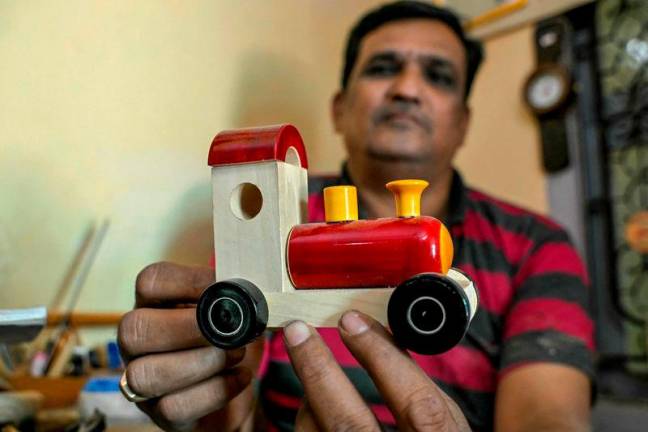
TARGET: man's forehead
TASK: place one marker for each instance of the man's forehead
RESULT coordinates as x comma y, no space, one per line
414,38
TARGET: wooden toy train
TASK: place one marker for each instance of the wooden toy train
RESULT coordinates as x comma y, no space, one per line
272,267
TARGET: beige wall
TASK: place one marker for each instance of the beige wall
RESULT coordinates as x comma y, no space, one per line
108,108
502,152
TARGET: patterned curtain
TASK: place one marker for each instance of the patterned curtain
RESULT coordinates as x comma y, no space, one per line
622,27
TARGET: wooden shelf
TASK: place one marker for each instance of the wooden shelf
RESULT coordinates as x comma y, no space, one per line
85,319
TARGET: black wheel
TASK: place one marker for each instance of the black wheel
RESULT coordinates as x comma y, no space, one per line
231,313
428,313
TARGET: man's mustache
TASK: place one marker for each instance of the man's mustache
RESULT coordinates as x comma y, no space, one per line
387,112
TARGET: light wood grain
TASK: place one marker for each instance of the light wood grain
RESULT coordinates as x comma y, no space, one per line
324,307
255,249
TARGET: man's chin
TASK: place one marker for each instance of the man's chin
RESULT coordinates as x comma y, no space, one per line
393,144
395,156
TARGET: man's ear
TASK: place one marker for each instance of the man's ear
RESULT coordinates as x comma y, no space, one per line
464,123
337,108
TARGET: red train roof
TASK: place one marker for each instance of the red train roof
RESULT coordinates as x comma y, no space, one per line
258,144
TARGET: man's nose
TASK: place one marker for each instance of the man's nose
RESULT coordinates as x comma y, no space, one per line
406,86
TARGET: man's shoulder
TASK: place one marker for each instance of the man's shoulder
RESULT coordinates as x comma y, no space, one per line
501,214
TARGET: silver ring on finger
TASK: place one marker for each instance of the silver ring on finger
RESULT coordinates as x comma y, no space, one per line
128,392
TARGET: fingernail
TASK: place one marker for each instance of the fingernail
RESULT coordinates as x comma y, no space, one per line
353,323
296,332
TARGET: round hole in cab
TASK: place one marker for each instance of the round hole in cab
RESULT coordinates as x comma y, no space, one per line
246,201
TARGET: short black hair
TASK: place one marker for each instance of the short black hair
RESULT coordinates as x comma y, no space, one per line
402,10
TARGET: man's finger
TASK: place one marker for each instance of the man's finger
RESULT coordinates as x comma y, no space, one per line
335,403
158,374
162,283
143,331
180,410
416,402
305,421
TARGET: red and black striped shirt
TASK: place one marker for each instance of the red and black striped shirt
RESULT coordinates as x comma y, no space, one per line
533,291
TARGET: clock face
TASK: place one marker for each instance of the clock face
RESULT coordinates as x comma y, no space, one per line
547,88
545,91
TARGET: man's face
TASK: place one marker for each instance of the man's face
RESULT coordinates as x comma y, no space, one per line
404,98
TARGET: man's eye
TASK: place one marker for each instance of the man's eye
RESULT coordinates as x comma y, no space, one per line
381,69
440,78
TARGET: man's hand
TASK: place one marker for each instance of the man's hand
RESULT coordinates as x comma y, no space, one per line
167,358
332,403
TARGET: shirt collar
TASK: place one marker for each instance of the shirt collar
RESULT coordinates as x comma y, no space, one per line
457,200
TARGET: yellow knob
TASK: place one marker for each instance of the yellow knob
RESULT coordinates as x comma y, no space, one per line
407,194
340,203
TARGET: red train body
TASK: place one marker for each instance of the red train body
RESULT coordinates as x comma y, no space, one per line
367,253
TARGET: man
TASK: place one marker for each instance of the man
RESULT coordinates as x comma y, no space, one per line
525,364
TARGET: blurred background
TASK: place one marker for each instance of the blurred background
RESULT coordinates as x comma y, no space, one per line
107,111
